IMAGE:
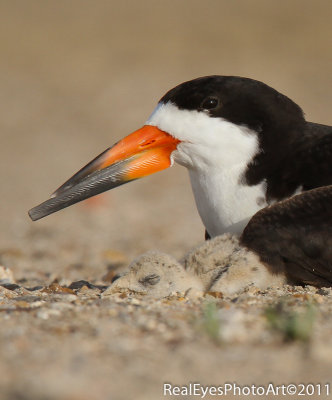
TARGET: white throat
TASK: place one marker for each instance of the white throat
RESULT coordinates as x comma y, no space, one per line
224,204
216,152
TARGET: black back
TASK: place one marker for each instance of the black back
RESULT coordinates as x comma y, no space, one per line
305,164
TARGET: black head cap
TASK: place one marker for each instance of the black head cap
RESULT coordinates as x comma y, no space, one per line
240,100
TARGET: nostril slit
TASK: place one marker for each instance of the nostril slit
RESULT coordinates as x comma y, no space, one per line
147,143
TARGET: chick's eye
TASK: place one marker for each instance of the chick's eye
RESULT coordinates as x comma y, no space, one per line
209,103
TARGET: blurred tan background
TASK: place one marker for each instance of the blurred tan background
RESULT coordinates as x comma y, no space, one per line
76,76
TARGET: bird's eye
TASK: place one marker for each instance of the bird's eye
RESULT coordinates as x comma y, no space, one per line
152,279
209,103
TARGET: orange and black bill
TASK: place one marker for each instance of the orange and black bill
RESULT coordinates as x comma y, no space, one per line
144,152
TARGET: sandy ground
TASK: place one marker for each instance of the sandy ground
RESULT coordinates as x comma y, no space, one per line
77,76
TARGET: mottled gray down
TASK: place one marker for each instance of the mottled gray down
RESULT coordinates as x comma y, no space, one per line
219,265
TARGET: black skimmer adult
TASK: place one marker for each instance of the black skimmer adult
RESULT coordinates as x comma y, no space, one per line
247,148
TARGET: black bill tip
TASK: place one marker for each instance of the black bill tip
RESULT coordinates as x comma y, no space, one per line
96,183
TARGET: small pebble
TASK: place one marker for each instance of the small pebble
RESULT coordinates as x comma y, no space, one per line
6,275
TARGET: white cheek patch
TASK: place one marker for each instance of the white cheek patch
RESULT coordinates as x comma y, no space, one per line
210,141
216,153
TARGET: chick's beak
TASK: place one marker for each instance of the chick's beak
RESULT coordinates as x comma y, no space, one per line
143,152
